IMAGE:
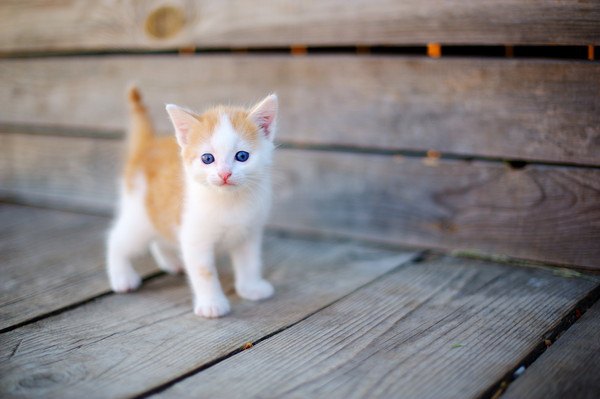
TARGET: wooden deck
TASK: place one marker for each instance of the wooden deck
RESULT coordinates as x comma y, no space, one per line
348,320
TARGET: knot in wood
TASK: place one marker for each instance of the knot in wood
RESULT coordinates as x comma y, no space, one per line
165,22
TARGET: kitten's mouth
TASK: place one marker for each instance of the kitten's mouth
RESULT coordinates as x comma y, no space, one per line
226,184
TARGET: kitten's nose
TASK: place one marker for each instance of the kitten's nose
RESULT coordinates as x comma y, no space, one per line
224,175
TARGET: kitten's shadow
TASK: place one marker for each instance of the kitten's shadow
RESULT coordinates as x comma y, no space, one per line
162,281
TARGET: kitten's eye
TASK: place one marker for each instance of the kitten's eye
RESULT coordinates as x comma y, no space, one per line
208,158
242,156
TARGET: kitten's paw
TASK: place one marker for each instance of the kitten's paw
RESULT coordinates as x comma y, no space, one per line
124,281
212,307
255,290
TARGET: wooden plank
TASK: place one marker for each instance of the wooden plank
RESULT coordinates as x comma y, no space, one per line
122,345
64,172
569,369
443,329
542,213
523,109
50,260
32,25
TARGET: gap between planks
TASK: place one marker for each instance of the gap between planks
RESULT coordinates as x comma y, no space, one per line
51,260
550,338
74,305
86,132
568,369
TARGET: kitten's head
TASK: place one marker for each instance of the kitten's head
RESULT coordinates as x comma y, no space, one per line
226,148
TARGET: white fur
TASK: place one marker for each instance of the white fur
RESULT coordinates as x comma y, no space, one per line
214,216
230,217
129,237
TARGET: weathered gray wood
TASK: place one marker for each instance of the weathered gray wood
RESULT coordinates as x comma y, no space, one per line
540,212
569,369
71,25
65,172
49,260
442,329
121,345
543,213
529,109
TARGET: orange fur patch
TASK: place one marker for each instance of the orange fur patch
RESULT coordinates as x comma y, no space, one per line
204,273
208,121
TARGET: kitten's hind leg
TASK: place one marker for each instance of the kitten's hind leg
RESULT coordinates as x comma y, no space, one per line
165,259
129,237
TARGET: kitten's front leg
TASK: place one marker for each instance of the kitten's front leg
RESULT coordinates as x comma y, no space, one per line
247,264
209,299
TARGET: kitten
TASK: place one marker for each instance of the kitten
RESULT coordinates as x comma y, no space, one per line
207,187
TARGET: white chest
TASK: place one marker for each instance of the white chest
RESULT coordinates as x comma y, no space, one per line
224,220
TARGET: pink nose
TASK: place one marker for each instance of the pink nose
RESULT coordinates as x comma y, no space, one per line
224,175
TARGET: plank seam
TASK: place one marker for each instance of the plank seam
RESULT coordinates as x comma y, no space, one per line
72,306
557,267
417,258
514,163
574,51
7,198
497,389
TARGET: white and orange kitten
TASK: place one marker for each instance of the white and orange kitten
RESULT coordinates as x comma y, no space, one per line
183,197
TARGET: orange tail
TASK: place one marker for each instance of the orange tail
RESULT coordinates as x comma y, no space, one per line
141,131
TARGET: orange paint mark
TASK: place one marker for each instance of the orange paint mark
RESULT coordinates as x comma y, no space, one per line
591,53
432,158
247,345
298,50
433,154
509,51
434,50
189,50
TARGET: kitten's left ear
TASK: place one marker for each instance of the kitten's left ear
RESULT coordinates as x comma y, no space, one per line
183,121
264,114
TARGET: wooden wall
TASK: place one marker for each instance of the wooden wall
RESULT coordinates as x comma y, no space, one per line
494,155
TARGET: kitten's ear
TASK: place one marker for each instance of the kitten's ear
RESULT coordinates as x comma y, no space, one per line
183,120
264,114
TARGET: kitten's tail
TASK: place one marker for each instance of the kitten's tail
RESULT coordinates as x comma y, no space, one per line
141,131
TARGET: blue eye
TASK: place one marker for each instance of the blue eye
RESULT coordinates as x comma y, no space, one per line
208,158
242,156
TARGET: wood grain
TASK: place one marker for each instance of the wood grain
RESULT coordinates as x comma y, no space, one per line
49,260
543,213
123,345
34,25
513,109
64,172
443,329
569,369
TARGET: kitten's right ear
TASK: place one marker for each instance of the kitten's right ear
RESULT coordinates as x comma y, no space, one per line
182,120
